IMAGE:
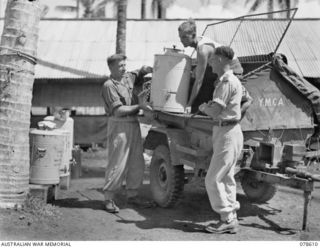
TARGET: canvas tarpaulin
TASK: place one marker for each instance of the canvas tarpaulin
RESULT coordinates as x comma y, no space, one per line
307,90
301,84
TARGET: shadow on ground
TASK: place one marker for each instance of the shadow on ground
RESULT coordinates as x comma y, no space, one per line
189,215
95,172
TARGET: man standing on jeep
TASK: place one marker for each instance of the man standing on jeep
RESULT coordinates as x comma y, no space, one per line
205,48
225,110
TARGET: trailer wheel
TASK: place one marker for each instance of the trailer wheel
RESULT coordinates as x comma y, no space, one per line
257,191
166,180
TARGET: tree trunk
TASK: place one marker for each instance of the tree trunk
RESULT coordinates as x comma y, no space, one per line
270,9
121,27
288,6
143,9
17,61
78,8
159,9
163,10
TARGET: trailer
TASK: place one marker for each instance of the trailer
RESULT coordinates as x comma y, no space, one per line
280,129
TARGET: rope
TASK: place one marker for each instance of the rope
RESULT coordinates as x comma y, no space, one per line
30,58
9,69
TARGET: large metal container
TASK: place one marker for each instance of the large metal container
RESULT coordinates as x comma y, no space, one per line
67,128
47,149
66,157
170,81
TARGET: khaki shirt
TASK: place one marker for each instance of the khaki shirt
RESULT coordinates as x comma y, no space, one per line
228,94
117,93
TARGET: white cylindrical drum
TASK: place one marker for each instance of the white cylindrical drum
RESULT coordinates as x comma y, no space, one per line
47,148
170,81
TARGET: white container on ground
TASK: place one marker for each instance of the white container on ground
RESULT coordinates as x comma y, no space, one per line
47,148
67,128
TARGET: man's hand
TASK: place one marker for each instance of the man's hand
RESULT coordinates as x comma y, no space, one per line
146,69
202,107
146,107
211,109
142,103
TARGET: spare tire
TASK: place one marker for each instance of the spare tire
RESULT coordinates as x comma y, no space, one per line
257,191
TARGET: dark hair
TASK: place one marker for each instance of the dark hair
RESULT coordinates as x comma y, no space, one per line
188,26
224,51
115,57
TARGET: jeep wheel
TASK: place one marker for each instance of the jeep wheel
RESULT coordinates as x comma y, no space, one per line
166,180
257,191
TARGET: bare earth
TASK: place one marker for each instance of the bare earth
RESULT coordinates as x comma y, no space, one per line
78,215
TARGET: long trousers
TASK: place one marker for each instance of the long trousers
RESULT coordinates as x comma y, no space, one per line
125,157
220,182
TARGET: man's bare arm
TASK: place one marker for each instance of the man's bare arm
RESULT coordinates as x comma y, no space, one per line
124,110
202,60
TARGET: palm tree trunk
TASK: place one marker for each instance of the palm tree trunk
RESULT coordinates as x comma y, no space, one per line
159,10
288,6
163,11
17,62
143,9
121,27
78,8
270,9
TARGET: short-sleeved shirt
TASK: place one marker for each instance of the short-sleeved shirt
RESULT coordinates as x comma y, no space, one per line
228,94
118,93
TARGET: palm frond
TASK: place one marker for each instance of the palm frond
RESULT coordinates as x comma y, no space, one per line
256,5
227,3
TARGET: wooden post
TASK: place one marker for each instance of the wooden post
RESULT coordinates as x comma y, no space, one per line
307,199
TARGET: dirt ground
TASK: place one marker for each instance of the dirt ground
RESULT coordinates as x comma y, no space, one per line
78,214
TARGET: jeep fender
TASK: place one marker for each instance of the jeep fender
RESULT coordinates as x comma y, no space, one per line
169,137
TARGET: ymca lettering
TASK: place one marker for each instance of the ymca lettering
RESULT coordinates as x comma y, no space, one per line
270,102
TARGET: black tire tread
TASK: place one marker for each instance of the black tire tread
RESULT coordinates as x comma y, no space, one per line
175,192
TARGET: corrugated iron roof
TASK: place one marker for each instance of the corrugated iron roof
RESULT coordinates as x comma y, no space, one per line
78,48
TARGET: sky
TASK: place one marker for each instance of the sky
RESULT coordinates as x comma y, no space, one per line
197,8
194,9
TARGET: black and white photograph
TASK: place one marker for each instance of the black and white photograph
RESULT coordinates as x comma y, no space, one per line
159,120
